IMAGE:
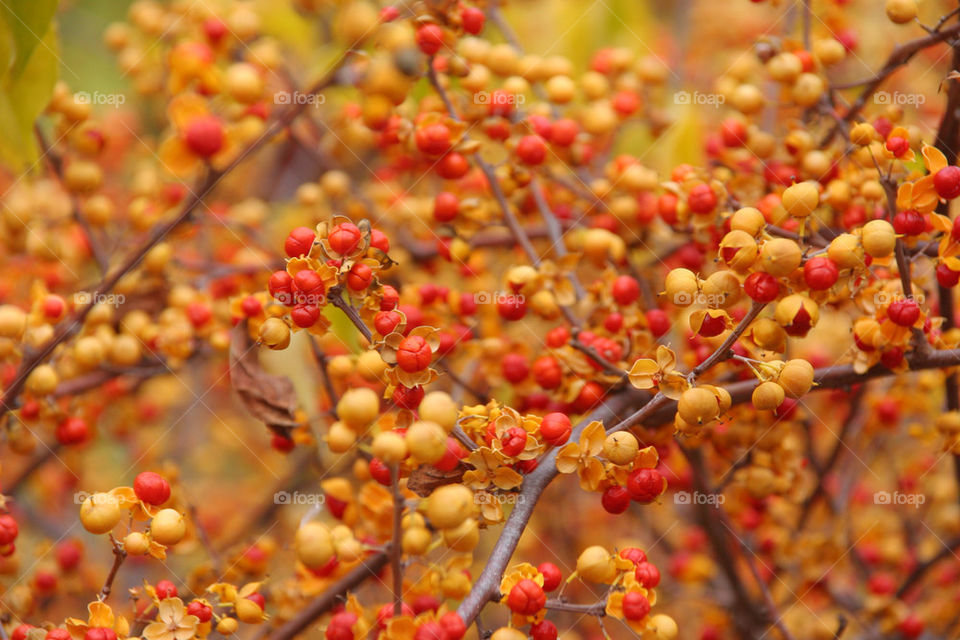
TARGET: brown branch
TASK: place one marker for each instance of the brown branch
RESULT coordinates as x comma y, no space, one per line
119,555
397,551
597,609
921,569
900,56
723,351
336,299
329,598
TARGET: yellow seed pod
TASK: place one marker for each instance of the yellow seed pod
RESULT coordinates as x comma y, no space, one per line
416,541
748,219
801,199
340,437
339,367
389,446
901,11
846,251
508,633
808,88
313,544
42,381
596,565
449,506
275,333
621,447
597,244
767,396
13,321
785,67
463,538
724,399
797,311
227,626
829,51
248,611
356,20
866,332
244,83
948,423
426,440
168,527
348,549
780,257
738,249
863,134
136,543
747,99
371,366
722,289
358,407
681,286
439,407
698,405
796,377
664,627
878,238
100,513
544,304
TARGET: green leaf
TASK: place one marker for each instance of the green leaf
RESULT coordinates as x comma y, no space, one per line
27,22
342,328
23,98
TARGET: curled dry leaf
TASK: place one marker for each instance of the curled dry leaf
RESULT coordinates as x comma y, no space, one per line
268,397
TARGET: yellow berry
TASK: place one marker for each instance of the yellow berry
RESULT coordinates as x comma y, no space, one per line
621,447
596,565
780,256
100,513
314,545
878,238
136,543
767,396
796,377
439,407
168,527
901,11
389,446
801,199
748,219
358,407
698,405
427,441
449,506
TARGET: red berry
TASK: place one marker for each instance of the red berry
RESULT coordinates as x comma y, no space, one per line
53,307
820,273
564,132
258,599
712,326
379,240
199,609
165,589
68,554
389,298
452,166
897,145
204,136
433,139
380,471
429,631
414,354
8,529
512,307
532,150
100,633
280,286
299,242
551,576
341,626
615,499
151,488
472,20
386,321
513,441
282,443
733,132
635,606
543,630
658,321
446,205
72,430
590,396
557,337
359,277
626,290
526,597
903,312
647,575
909,223
20,631
453,625
57,634
304,315
947,182
547,372
634,555
946,276
645,485
761,287
911,627
344,238
429,38
408,397
702,199
515,367
555,428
